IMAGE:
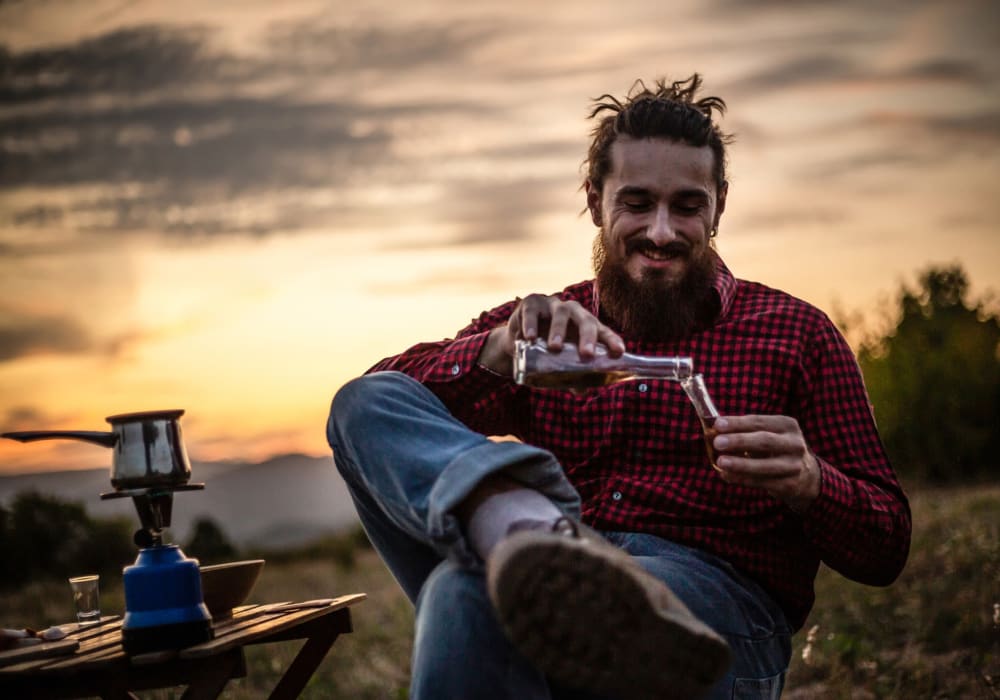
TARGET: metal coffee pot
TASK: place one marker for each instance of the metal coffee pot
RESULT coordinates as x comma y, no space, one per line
148,450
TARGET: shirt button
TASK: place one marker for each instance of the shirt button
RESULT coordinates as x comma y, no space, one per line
455,369
643,388
617,495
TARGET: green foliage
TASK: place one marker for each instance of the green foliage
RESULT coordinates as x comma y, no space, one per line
209,544
44,537
934,381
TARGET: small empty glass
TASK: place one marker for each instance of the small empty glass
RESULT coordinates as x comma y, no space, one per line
87,599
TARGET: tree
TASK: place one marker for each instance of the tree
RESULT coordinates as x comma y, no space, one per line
44,537
934,381
209,544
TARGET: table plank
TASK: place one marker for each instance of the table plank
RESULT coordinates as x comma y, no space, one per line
232,633
44,650
100,667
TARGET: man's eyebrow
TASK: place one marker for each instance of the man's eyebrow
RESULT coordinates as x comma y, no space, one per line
631,191
693,193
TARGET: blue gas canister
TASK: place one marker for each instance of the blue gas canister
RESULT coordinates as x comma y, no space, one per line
163,602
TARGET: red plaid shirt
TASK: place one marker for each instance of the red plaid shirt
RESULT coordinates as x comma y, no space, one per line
636,454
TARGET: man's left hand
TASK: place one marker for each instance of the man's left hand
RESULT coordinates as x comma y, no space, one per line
769,452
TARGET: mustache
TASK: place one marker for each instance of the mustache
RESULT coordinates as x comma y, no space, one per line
644,245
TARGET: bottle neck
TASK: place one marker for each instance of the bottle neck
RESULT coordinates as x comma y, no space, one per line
652,367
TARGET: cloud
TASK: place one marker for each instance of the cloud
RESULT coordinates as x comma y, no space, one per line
317,45
26,335
17,416
793,217
828,69
127,62
486,211
909,141
806,70
972,127
182,131
944,70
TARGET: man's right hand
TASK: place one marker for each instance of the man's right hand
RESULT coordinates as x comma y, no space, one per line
555,320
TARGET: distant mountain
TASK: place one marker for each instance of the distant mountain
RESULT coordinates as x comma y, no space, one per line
285,501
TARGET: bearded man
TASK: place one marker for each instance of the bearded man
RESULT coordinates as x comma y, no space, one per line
601,555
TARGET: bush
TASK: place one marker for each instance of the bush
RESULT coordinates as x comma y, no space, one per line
209,544
934,381
44,537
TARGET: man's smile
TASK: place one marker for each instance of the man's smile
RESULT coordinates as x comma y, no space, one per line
669,253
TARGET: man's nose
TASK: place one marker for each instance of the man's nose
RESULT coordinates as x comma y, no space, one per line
661,230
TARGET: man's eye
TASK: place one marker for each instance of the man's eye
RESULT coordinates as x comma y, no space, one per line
635,204
688,209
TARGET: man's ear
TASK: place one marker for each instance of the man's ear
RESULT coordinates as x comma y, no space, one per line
720,202
594,203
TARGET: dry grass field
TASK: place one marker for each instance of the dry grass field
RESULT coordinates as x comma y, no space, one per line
934,634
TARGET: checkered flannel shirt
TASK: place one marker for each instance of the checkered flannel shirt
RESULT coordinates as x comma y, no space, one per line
636,454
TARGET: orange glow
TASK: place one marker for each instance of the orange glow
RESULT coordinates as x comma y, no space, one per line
319,190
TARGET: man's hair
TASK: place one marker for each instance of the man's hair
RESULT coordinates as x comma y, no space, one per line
666,111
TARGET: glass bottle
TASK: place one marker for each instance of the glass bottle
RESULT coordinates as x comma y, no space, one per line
535,365
694,387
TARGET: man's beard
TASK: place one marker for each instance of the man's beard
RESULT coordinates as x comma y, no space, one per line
656,308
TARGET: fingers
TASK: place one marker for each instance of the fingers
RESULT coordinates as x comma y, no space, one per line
564,320
752,467
527,317
758,444
757,423
769,452
569,317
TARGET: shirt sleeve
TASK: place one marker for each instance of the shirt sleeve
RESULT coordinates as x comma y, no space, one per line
479,397
860,522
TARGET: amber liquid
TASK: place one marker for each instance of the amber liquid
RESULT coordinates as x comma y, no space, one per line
710,433
577,379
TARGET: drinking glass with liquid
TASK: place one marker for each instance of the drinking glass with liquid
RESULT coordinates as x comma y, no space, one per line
697,392
535,365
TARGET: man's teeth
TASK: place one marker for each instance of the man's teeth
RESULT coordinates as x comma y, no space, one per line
655,254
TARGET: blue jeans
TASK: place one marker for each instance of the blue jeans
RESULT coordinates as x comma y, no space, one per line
408,463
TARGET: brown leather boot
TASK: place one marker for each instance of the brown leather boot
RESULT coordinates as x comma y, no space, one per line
587,615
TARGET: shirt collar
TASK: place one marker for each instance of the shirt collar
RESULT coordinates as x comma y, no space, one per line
725,287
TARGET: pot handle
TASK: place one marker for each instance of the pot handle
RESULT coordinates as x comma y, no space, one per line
95,436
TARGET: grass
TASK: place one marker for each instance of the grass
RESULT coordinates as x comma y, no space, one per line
935,633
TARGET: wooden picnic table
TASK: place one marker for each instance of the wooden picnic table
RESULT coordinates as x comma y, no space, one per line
90,661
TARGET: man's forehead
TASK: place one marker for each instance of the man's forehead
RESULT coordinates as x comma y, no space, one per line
655,159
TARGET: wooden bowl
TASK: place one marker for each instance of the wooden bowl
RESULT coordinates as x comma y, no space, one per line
224,586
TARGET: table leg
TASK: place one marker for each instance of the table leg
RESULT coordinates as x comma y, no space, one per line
305,663
209,683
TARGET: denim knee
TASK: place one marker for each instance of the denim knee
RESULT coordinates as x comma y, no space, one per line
353,401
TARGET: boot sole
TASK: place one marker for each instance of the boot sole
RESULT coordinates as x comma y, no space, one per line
589,617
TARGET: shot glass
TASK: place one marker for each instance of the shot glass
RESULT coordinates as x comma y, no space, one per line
87,599
694,387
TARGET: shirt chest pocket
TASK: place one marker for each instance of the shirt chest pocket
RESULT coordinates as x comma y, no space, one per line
660,427
675,440
576,428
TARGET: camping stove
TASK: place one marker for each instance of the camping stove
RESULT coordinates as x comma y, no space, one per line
163,600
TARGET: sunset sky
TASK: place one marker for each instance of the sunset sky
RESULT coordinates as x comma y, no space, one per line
235,207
